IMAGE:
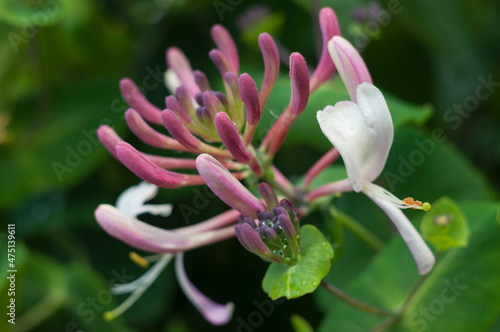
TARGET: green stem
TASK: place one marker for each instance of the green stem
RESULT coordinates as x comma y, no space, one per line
353,302
361,231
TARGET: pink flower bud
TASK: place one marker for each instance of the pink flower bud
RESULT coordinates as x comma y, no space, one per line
212,103
271,59
227,187
201,80
220,62
329,28
136,100
177,61
173,105
299,79
268,195
226,45
109,138
351,67
231,138
147,134
250,97
146,170
178,131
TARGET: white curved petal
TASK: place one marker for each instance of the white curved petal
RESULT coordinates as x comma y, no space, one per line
131,201
350,66
378,119
421,253
216,314
146,279
346,128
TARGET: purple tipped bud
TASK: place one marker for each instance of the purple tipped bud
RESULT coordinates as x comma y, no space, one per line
222,97
271,59
177,61
185,100
136,100
227,187
229,135
329,27
351,67
268,195
147,134
278,210
150,172
199,98
250,97
212,103
178,131
201,80
292,213
203,114
250,239
109,138
226,45
265,215
287,227
173,105
248,220
220,62
271,236
299,78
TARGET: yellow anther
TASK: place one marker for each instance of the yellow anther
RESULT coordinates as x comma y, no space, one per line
426,206
139,260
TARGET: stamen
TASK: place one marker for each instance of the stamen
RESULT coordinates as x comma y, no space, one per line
139,260
416,205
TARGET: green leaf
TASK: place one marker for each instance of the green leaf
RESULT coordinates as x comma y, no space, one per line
461,293
445,225
300,324
305,276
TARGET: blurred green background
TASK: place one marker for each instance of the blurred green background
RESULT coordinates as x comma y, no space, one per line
61,63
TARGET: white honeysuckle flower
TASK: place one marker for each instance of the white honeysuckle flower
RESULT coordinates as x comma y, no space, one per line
131,201
131,204
363,133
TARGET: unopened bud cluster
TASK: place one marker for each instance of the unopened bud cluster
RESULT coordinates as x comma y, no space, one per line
275,236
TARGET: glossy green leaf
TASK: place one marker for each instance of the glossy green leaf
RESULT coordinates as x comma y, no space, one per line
461,293
305,276
445,225
300,324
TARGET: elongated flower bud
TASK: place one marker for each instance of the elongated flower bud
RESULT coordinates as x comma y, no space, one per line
179,131
271,59
299,79
329,27
177,61
227,187
173,105
220,62
109,138
351,67
150,172
250,97
268,195
226,45
212,103
147,134
231,138
201,80
136,100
